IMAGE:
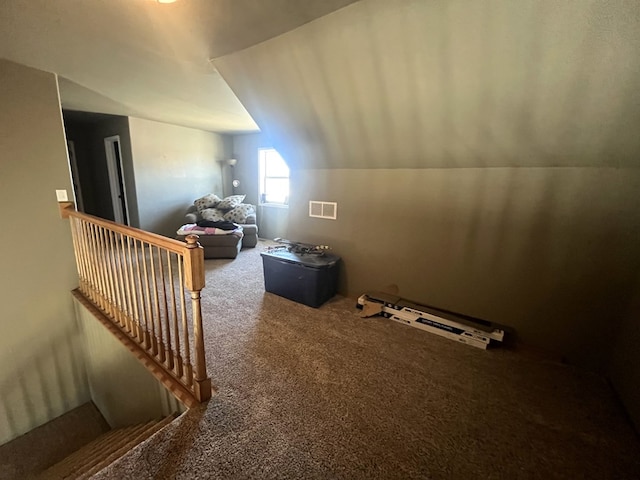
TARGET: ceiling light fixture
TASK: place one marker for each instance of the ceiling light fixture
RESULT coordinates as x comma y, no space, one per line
166,1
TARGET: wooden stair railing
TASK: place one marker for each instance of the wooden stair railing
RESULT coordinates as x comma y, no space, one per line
138,284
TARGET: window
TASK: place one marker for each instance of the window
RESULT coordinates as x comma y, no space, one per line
274,178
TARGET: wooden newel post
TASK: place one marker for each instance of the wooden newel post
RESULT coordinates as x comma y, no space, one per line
194,281
66,208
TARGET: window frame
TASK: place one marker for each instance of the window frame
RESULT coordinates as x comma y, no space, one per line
263,177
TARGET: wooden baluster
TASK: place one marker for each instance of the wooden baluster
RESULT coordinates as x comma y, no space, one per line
166,324
95,266
194,270
188,369
134,289
143,305
127,287
91,287
157,318
130,286
124,310
83,242
124,306
87,240
167,319
101,267
108,275
152,346
114,274
177,365
99,262
87,252
77,249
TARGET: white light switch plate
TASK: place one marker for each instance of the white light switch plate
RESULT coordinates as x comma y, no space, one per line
61,195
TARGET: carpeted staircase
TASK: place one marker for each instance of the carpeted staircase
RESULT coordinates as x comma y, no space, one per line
103,451
30,454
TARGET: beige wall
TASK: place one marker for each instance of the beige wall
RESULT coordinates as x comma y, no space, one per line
124,391
449,84
41,372
550,252
173,166
483,154
272,221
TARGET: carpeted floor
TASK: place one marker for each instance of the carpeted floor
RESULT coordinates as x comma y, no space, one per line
322,393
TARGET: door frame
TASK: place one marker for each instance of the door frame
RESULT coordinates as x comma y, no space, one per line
116,179
75,176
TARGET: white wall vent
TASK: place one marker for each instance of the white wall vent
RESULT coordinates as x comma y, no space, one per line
327,210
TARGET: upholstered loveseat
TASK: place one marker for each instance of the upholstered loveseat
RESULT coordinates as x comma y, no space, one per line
211,209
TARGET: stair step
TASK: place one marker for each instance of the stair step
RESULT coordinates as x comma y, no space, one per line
103,451
97,445
125,448
112,446
48,444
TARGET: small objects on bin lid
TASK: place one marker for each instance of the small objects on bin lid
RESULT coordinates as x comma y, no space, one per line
298,247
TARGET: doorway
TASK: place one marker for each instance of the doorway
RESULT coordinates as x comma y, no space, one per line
116,179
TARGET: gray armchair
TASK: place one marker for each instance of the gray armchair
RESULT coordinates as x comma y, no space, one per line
249,226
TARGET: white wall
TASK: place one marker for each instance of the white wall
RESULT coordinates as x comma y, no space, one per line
41,370
173,166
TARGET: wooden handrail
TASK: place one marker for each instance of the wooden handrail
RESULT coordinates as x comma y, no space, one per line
137,280
68,210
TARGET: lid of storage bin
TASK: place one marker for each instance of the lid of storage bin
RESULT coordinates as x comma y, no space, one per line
306,259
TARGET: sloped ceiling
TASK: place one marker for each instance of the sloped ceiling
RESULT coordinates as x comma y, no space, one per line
450,83
142,58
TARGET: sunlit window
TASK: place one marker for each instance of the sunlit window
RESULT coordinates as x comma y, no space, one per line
274,178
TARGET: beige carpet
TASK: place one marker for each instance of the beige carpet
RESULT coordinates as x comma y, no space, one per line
322,393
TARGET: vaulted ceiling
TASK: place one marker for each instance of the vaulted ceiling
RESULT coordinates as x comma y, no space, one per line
143,58
357,84
450,84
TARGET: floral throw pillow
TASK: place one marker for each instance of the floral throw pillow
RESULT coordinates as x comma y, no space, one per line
212,214
230,202
240,213
208,201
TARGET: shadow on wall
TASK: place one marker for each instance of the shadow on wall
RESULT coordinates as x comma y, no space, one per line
273,222
169,221
51,382
548,251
